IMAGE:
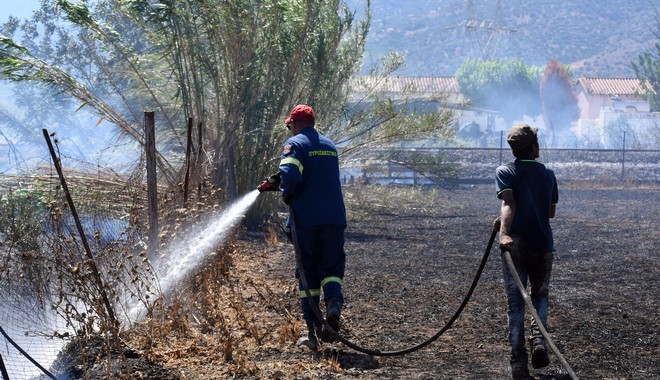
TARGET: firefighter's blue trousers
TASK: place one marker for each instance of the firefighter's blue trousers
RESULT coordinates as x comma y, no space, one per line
323,261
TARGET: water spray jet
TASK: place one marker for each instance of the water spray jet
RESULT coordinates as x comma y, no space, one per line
184,255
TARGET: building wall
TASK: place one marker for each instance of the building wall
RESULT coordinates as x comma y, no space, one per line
590,105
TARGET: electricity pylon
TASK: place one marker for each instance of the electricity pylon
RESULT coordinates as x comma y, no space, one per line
484,35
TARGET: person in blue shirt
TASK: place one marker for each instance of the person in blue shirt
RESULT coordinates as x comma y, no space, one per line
310,184
529,195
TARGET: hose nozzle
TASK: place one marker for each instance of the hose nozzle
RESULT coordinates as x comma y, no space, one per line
271,183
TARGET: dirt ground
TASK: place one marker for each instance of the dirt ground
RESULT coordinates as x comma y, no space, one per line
411,256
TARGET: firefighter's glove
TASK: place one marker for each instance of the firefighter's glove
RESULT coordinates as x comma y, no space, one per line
287,198
275,181
271,183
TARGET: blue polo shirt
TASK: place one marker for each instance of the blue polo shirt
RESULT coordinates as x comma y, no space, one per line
310,173
534,188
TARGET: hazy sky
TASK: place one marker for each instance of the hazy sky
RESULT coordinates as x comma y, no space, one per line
18,8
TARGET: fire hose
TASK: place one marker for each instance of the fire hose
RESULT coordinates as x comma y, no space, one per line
270,184
530,307
319,316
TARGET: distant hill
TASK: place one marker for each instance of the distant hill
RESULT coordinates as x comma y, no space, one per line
596,38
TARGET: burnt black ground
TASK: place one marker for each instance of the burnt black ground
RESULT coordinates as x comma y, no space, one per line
412,254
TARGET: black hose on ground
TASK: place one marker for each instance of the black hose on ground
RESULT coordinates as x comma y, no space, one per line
374,352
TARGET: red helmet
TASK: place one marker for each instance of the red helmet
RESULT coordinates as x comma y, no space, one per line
301,112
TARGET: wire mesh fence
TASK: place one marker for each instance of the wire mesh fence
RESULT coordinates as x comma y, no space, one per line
49,294
477,165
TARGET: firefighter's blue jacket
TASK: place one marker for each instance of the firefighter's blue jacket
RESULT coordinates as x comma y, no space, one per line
310,175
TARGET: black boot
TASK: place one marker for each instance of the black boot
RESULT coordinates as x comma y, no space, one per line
333,309
519,370
540,357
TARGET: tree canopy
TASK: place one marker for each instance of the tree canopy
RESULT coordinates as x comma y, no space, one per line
647,70
506,86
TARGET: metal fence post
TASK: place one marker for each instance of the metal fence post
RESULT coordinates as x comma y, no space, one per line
623,158
188,153
152,190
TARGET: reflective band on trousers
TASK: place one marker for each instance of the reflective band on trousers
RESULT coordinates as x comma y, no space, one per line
294,161
313,292
331,279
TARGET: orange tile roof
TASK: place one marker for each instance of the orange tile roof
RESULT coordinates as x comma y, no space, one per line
399,84
611,86
449,84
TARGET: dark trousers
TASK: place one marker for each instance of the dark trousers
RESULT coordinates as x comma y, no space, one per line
533,266
323,262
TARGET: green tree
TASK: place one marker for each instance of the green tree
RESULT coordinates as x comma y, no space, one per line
560,105
647,69
31,107
237,66
508,87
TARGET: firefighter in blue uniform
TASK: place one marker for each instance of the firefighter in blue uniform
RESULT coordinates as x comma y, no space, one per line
310,183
